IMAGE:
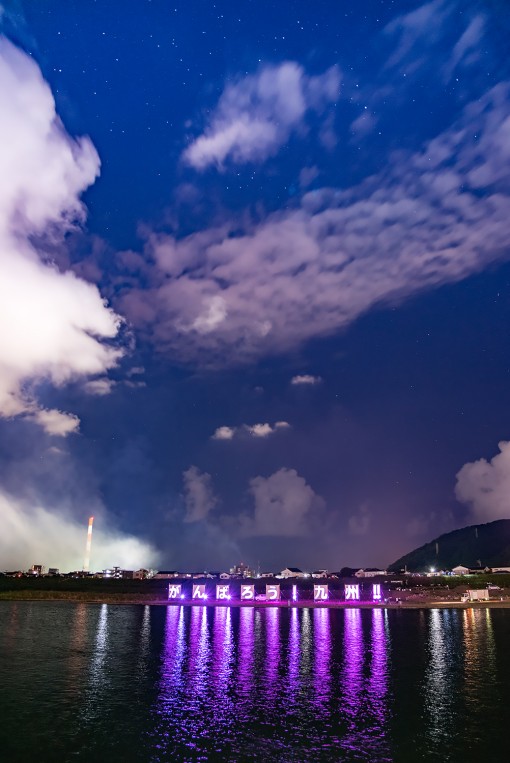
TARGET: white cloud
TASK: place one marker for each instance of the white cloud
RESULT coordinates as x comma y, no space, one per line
255,430
305,379
260,430
223,433
33,535
199,495
285,505
257,114
429,218
52,324
55,422
485,486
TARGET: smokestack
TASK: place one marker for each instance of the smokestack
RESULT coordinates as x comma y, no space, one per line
86,563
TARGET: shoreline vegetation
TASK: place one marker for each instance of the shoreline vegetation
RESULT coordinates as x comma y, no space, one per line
399,592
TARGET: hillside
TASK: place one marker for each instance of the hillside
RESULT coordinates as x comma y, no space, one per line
486,545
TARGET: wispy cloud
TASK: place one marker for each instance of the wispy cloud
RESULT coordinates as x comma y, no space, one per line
257,114
431,217
255,430
199,497
305,380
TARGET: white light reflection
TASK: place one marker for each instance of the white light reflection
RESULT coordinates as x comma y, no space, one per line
441,677
97,671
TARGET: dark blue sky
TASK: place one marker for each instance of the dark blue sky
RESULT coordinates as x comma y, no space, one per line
301,220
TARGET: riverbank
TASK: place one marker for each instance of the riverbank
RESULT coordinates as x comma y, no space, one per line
93,598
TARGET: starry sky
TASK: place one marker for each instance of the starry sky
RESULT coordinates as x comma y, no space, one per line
254,279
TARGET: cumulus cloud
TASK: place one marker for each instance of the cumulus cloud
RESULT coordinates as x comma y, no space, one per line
431,217
485,485
53,326
223,433
199,495
285,505
255,430
31,534
305,379
257,114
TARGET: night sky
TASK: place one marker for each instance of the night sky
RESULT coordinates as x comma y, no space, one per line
254,279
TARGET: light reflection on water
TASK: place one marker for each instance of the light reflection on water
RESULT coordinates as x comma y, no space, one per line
211,684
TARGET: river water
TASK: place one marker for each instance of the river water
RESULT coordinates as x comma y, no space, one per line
98,682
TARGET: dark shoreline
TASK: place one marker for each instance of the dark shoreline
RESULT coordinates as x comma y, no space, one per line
285,604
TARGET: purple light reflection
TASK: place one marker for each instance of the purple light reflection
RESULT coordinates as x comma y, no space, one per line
272,650
322,654
352,679
222,655
378,682
245,679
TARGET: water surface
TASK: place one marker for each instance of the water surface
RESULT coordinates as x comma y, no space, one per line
137,683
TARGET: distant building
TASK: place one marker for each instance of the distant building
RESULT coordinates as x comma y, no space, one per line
167,574
370,572
292,572
53,571
36,569
460,570
141,574
501,569
320,574
241,570
267,575
224,575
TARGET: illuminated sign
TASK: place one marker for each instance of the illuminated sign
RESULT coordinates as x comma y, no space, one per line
294,593
376,592
272,592
351,592
223,592
247,592
199,592
320,593
174,591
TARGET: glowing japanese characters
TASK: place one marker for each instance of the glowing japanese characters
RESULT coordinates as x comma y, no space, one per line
247,592
376,592
272,593
174,591
199,592
351,592
223,592
320,593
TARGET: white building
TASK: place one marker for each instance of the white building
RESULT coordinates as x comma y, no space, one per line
370,572
292,572
460,570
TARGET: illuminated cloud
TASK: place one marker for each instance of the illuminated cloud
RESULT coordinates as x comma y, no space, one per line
285,505
52,324
305,379
31,534
485,485
430,217
257,114
199,495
